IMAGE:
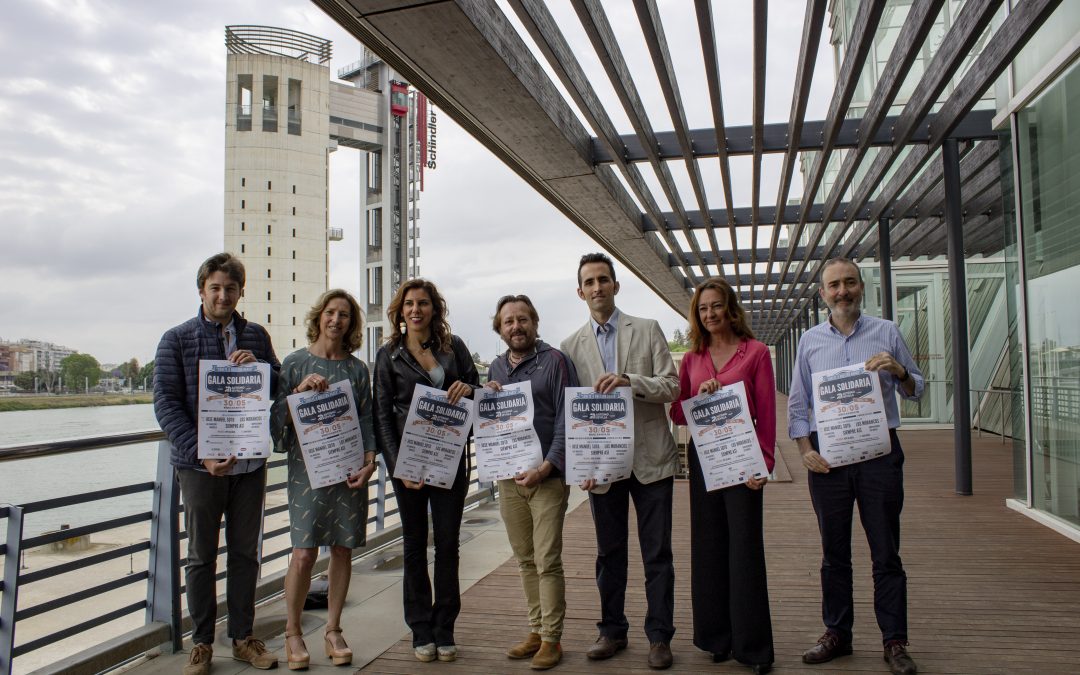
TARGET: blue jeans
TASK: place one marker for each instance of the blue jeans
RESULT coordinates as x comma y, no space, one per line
877,486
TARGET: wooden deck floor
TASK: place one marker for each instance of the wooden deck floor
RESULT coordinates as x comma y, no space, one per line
990,591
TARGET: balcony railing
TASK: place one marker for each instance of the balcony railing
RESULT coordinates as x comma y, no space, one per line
165,622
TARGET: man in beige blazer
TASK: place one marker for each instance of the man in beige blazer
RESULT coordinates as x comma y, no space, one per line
617,350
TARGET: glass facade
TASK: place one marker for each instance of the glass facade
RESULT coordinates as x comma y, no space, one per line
1017,421
1048,147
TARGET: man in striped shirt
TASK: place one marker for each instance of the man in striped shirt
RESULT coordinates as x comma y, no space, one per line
877,485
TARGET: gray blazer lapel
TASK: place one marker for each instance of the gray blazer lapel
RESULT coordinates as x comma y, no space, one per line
590,351
623,338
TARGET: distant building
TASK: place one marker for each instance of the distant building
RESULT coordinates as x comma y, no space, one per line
283,118
28,356
393,177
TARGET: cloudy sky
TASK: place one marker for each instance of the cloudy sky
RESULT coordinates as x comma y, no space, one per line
112,165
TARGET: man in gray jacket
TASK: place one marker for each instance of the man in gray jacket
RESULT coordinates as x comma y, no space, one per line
614,350
533,503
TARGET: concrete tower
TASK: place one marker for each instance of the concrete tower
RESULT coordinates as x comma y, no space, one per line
276,153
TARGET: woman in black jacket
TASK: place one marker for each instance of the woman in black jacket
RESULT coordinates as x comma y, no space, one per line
424,352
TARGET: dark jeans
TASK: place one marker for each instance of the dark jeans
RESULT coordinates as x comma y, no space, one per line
877,486
652,503
728,583
239,499
432,621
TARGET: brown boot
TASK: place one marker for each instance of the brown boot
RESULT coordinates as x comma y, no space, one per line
548,657
525,648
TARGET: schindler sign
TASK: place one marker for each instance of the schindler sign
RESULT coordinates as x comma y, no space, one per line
430,159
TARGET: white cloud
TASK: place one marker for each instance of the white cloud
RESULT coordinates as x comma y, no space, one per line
111,165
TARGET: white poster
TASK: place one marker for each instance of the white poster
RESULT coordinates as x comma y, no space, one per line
506,442
434,437
234,410
849,410
327,425
599,435
724,436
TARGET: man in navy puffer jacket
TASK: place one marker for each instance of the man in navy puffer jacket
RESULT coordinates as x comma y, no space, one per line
212,489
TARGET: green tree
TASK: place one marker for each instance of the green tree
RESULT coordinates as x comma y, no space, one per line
679,341
130,372
80,371
46,380
25,380
146,374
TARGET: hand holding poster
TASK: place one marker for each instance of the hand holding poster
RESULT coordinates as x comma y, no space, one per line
724,437
506,442
599,435
328,427
234,410
434,436
849,410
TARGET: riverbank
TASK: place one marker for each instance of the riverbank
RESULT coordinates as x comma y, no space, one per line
13,403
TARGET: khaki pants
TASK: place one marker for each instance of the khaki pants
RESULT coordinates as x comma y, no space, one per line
534,523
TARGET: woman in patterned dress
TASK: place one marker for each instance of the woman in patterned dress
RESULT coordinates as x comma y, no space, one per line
334,516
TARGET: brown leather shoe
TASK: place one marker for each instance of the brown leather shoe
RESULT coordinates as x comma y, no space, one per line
253,650
525,648
199,660
660,656
548,656
605,647
828,647
897,657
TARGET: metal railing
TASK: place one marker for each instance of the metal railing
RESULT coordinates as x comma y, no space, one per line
277,42
165,622
983,407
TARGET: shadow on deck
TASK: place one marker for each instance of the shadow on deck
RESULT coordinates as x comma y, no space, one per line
990,591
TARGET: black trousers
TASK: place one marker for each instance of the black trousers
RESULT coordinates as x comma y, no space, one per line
431,618
877,486
728,583
652,503
239,499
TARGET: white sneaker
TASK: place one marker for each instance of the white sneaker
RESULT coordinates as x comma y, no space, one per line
425,653
447,653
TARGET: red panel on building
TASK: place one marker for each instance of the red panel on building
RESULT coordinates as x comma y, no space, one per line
399,98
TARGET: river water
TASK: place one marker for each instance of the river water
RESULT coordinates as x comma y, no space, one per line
29,480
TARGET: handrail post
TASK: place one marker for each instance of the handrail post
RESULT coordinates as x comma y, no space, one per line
380,501
1001,415
163,587
10,602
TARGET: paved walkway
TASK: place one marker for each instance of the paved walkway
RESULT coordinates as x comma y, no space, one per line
990,591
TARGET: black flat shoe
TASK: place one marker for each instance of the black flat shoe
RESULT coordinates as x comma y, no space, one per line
761,668
719,657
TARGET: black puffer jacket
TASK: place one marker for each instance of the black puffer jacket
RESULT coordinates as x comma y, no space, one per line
396,375
176,377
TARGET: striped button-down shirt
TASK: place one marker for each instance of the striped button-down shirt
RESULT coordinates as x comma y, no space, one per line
824,348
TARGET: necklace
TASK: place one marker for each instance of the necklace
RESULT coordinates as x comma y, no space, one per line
515,360
422,347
